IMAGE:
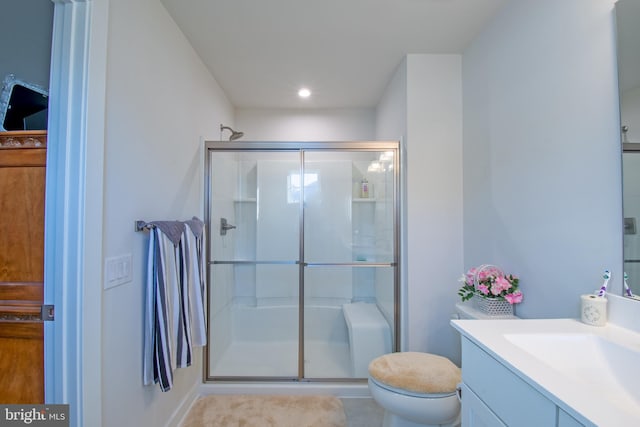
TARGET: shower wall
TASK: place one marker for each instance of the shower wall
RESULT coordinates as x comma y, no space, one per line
277,234
267,223
271,218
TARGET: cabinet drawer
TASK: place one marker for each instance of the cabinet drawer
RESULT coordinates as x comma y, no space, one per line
511,399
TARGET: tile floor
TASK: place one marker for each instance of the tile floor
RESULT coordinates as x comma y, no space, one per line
362,412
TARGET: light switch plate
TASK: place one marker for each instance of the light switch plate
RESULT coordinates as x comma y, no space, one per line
117,270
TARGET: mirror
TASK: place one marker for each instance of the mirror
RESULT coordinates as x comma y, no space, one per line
627,17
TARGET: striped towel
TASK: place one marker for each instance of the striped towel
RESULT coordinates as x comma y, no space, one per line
174,302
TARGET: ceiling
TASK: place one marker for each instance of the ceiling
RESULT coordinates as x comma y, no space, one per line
346,51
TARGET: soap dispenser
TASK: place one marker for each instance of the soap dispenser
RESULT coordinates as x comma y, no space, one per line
364,188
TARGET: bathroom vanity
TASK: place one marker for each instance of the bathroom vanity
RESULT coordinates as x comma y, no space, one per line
548,372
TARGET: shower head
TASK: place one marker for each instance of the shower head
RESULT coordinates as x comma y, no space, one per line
234,135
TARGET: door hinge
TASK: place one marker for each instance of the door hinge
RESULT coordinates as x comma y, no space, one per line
47,312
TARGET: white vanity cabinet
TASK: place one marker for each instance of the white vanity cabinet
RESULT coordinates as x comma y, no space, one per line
493,395
548,372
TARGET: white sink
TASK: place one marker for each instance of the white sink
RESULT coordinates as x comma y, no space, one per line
606,366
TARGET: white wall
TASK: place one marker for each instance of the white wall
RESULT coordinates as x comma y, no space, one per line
391,111
423,105
161,101
305,125
434,200
541,164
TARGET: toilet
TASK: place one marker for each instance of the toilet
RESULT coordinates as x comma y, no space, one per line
416,389
419,389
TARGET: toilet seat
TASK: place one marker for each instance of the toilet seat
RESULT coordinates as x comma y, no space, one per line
410,393
415,372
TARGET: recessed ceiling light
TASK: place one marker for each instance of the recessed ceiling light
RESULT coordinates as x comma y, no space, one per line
304,93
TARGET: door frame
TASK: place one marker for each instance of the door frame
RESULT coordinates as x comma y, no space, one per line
73,208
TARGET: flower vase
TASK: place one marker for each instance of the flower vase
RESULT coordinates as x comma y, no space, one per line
492,306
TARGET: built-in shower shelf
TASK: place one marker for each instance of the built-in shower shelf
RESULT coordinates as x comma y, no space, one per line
359,200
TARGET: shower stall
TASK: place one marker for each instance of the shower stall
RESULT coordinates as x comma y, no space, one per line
303,258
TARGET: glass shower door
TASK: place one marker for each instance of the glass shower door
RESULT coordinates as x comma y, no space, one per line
303,259
253,264
349,259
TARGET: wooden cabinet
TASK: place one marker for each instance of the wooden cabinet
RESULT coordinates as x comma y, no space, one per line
22,189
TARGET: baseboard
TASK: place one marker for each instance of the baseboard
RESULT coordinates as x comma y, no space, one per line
183,408
342,390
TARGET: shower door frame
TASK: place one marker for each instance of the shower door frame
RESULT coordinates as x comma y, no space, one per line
302,148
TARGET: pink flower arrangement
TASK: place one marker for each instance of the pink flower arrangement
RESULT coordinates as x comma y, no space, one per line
489,281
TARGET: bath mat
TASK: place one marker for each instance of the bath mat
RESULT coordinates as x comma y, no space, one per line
266,411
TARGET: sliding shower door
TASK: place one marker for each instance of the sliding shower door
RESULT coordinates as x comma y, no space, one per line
253,269
349,258
303,258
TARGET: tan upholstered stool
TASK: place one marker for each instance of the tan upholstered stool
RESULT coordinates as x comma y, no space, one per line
416,389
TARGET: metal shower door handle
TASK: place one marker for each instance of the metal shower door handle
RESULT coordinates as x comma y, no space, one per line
224,226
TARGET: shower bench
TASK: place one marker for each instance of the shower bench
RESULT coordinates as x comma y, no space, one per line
369,335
